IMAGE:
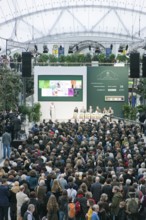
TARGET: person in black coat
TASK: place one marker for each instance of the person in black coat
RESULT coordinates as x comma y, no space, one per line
122,211
4,200
96,189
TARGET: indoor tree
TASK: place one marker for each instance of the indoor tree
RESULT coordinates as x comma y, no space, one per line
10,87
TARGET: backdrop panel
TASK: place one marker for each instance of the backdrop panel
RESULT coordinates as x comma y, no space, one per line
107,87
66,87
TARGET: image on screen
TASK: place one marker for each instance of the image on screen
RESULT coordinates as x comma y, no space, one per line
60,88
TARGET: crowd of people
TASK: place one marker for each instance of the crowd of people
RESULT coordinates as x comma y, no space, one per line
94,170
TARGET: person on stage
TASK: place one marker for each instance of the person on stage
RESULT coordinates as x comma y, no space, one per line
52,112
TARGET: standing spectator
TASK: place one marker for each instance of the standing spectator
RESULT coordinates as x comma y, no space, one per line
52,208
13,202
63,204
29,213
122,211
56,189
117,198
96,189
21,198
17,127
82,200
4,200
95,213
6,140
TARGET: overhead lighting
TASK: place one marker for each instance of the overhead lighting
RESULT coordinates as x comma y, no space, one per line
45,49
120,50
97,50
70,50
126,47
36,48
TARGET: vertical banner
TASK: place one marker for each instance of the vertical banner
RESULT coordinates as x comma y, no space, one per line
60,51
55,50
107,87
108,52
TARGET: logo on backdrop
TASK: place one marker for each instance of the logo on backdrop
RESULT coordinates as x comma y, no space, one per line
107,75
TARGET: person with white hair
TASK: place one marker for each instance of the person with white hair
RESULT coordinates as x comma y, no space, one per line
142,169
29,213
21,198
95,212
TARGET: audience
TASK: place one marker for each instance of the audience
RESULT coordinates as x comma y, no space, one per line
87,170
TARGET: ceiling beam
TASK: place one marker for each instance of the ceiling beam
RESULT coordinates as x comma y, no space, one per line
68,7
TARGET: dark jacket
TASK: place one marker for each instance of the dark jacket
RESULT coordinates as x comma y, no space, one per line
96,191
122,214
4,196
117,198
6,138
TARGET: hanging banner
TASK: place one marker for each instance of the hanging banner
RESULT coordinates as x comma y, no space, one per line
55,50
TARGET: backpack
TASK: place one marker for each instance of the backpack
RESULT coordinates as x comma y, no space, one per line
71,210
77,207
132,206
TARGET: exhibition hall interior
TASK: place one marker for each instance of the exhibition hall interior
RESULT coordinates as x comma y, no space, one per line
72,109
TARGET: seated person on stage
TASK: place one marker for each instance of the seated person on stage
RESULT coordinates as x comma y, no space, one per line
97,110
83,110
110,111
105,111
90,109
76,109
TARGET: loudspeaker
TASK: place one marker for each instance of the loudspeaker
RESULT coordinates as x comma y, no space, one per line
134,65
144,66
26,64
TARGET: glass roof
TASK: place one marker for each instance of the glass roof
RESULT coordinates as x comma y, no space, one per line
43,21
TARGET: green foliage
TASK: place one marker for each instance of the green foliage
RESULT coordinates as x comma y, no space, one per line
16,55
34,112
23,109
129,112
62,59
52,59
88,58
112,58
101,58
121,58
10,87
95,57
43,58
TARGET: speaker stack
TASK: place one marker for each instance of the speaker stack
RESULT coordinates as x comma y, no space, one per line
26,64
144,66
134,65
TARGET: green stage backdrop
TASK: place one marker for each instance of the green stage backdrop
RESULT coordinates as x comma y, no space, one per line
107,86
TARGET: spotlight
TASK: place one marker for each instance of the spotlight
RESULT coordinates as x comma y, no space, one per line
45,49
97,50
36,48
120,50
60,47
70,50
126,47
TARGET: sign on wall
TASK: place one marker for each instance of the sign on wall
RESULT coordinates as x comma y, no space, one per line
107,87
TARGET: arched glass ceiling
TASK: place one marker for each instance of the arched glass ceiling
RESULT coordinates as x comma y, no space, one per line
39,21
